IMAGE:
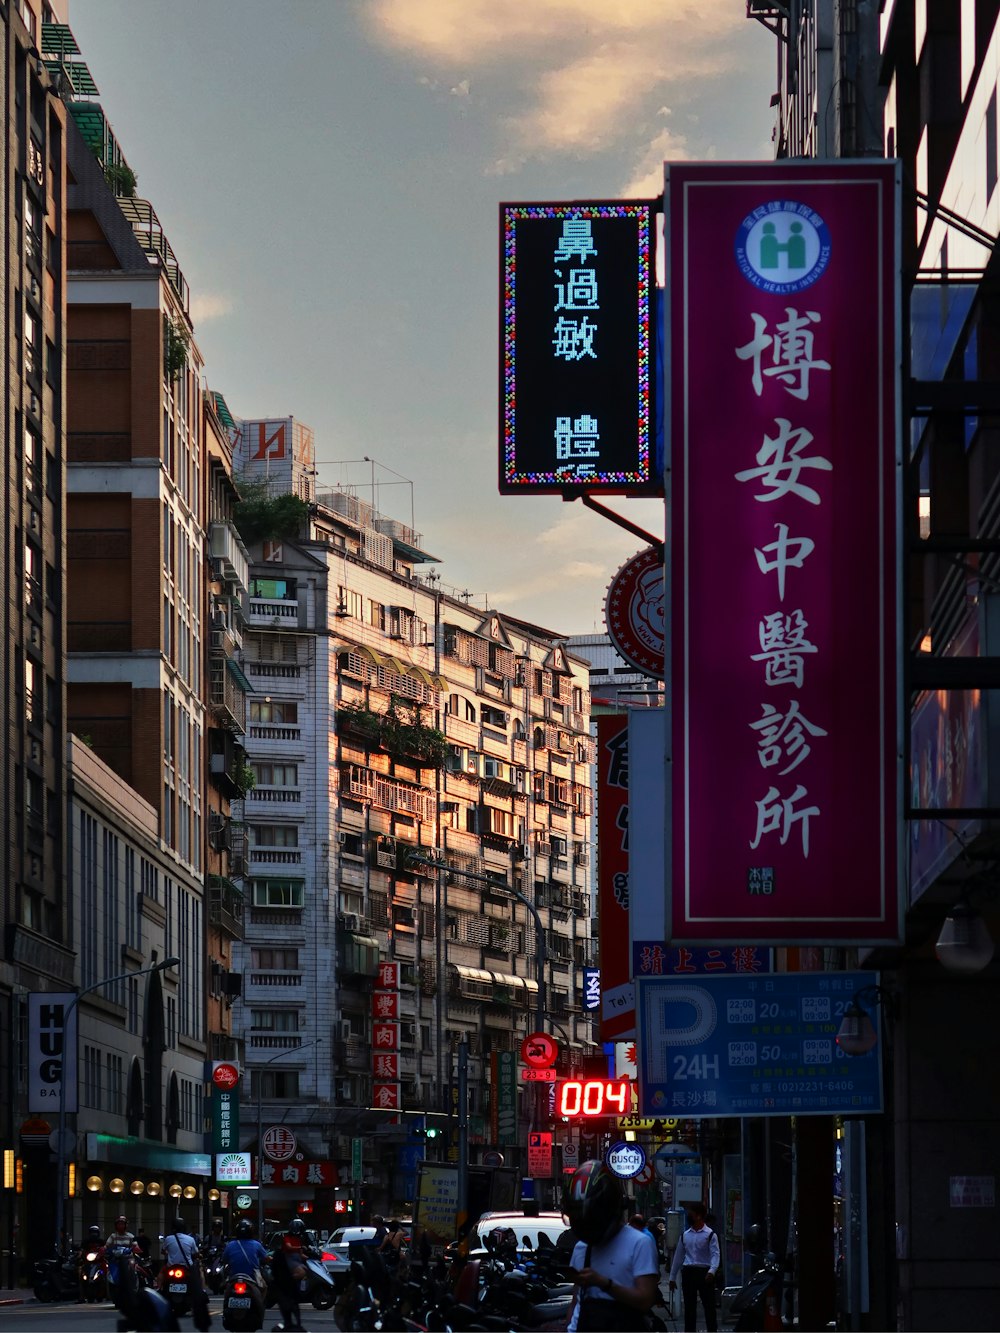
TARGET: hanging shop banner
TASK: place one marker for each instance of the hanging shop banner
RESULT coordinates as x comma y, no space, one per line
385,1036
578,348
783,523
739,1046
503,1103
225,1119
617,993
51,1050
635,611
301,1173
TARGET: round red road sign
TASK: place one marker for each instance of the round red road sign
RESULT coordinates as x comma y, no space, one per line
635,611
225,1076
539,1050
278,1143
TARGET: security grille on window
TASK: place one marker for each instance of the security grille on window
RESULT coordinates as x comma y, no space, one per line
278,893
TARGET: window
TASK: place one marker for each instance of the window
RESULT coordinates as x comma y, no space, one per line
276,775
493,717
274,1020
274,1084
457,706
274,835
274,960
32,461
275,590
272,710
278,892
114,1085
376,614
91,1076
349,603
990,136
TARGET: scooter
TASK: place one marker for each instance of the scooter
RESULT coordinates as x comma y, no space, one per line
758,1305
93,1286
242,1304
175,1288
56,1279
215,1272
318,1286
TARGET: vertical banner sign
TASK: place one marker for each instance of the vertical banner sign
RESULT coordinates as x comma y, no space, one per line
504,1101
51,1050
617,994
385,1047
225,1107
783,540
577,367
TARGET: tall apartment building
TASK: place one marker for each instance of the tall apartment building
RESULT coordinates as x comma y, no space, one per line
37,943
388,718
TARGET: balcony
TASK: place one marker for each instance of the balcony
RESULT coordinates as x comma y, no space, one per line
277,613
230,555
383,793
228,693
225,906
353,1053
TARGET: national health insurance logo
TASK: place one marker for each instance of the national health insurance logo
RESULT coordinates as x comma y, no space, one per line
782,246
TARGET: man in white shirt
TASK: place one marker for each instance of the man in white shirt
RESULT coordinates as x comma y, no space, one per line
697,1259
617,1268
180,1247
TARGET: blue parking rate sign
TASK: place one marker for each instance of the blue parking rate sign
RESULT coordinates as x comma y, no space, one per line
753,1045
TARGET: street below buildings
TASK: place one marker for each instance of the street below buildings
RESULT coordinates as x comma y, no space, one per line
68,1317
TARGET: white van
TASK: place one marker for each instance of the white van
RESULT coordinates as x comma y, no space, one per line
528,1230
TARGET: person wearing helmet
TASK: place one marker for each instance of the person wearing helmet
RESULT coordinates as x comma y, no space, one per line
244,1253
617,1269
92,1243
181,1248
289,1256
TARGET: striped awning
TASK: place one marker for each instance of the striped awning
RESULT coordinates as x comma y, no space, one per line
473,973
511,982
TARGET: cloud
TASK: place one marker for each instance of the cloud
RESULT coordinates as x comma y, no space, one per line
461,89
584,73
647,175
210,305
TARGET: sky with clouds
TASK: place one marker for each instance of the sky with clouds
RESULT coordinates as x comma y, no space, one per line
328,174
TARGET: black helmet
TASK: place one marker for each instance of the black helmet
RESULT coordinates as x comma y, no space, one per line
593,1202
244,1227
179,1223
296,1226
95,1232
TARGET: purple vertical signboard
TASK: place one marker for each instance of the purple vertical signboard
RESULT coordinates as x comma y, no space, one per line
783,480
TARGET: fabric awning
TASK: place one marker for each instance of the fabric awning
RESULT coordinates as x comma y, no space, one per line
394,664
362,650
512,983
473,973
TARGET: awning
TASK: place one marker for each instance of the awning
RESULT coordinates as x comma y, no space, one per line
531,985
473,973
394,664
512,983
362,650
237,674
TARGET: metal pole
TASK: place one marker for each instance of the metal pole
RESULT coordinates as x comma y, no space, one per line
463,1136
292,1050
61,1145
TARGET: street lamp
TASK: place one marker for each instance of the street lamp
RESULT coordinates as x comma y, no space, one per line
162,966
292,1050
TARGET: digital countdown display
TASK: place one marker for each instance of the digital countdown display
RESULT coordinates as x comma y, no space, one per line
585,1098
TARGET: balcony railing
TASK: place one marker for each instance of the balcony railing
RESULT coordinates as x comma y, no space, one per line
225,906
265,610
367,785
228,695
224,546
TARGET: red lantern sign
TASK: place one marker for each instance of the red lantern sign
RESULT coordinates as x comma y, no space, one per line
225,1076
279,1143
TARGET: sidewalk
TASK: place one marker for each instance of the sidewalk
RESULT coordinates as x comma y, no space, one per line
12,1296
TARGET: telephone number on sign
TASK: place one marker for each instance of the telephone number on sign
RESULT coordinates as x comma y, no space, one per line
844,1085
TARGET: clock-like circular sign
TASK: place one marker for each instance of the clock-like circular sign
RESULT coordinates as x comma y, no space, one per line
635,611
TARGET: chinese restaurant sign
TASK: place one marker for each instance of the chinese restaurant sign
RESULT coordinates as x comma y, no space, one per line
783,348
617,992
578,349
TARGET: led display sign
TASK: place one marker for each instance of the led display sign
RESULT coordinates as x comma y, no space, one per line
578,347
578,1098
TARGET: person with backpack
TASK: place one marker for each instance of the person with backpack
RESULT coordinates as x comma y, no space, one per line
697,1259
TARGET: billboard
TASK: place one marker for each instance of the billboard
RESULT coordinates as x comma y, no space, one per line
52,1050
578,348
783,553
742,1046
611,764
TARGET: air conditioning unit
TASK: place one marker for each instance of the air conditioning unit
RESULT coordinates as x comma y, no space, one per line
407,1034
345,1029
351,922
346,1089
341,837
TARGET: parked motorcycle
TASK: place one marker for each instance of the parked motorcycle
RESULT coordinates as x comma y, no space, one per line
56,1279
242,1304
758,1304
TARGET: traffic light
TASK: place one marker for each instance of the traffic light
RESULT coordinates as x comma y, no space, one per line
429,1133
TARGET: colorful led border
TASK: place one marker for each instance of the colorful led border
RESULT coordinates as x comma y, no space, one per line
513,213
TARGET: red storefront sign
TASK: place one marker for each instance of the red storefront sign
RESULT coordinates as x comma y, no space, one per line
783,552
387,976
385,1068
385,1036
385,1004
385,1096
300,1173
617,991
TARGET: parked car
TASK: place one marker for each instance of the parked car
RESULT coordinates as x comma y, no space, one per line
335,1251
528,1230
